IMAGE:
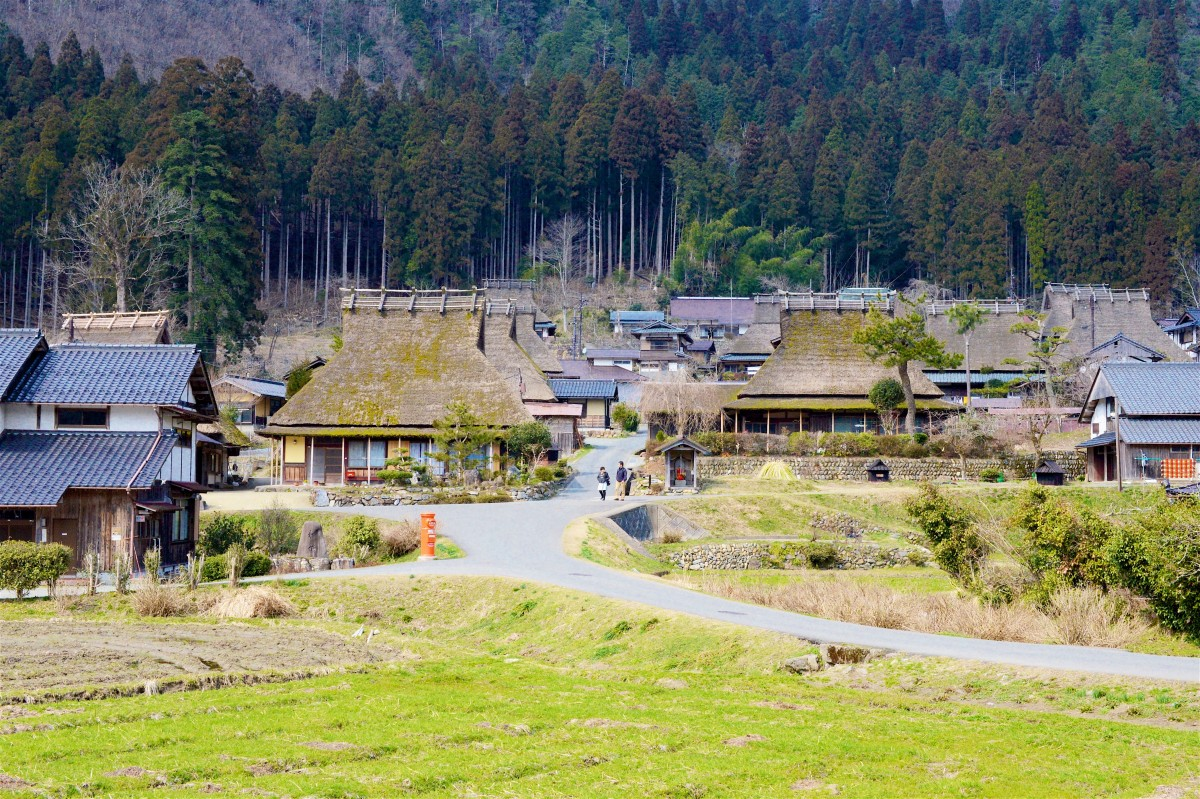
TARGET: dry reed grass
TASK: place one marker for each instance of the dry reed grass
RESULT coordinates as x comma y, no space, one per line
255,602
1076,616
160,601
400,538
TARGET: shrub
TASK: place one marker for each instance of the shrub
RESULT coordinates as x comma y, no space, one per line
395,476
991,475
822,555
358,534
921,438
956,546
717,443
914,450
20,569
160,601
800,443
256,564
886,395
53,561
1060,546
278,529
222,532
625,417
1157,556
849,445
1089,617
215,568
528,441
492,497
543,474
399,539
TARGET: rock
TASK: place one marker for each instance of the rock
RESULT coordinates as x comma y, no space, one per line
321,498
802,664
312,541
834,654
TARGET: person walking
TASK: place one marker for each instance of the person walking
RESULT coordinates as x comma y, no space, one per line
602,482
624,480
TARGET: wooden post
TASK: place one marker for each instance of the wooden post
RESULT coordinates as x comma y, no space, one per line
1117,443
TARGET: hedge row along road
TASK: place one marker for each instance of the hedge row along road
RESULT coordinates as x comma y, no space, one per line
523,540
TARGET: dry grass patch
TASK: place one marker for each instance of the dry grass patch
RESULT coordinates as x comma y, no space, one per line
255,602
161,601
1076,616
397,540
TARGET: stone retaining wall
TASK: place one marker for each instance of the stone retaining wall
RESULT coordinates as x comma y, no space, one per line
398,495
1015,467
790,554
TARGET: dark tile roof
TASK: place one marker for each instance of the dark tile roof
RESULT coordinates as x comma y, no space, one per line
1049,467
635,317
584,389
1155,389
254,385
586,371
109,374
36,468
1160,431
615,354
1123,342
16,345
1098,441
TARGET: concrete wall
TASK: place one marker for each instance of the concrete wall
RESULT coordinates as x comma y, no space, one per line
1014,467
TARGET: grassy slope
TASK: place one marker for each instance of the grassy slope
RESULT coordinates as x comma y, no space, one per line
577,681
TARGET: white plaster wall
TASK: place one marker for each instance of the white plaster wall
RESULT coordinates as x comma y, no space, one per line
127,418
20,417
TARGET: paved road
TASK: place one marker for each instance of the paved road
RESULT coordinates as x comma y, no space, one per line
524,540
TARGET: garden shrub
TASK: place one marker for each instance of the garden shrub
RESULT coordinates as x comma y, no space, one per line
717,443
1157,556
216,567
914,450
394,476
278,529
822,555
359,533
492,497
401,538
543,474
956,546
625,417
1059,546
222,532
801,443
991,475
256,564
848,445
24,565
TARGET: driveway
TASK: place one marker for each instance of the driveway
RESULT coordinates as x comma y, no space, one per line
523,540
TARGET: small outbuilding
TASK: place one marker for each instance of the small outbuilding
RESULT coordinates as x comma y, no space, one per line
878,472
682,457
1049,473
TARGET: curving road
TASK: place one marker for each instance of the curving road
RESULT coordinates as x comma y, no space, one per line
523,540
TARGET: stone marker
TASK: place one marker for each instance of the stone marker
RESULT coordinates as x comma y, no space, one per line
802,664
312,541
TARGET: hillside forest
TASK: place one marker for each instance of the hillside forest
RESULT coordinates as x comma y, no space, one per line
702,145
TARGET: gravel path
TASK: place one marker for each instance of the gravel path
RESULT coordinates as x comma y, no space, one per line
524,540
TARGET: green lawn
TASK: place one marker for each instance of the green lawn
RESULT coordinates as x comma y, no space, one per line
513,689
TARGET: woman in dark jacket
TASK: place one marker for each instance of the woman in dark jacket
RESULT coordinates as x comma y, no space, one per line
602,482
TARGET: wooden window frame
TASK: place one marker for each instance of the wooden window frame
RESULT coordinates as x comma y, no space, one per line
106,410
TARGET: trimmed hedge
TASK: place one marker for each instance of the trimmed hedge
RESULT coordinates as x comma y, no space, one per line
216,567
25,565
839,445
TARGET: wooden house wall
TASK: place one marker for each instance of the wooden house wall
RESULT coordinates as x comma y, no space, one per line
86,521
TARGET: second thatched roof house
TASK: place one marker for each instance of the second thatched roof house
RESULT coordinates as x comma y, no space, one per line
817,380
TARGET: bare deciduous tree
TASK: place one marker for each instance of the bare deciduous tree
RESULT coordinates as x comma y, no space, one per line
118,236
1188,266
558,251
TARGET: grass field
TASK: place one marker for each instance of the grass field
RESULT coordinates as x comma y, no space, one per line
488,687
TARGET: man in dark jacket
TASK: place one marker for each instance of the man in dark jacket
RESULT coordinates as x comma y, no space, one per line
624,480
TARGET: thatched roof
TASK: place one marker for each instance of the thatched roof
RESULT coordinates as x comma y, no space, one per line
133,327
669,397
398,369
536,346
992,342
1094,314
510,360
817,357
757,340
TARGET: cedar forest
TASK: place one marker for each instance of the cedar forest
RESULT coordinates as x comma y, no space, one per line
705,145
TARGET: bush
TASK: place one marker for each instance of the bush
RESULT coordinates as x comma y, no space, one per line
215,568
399,539
256,564
956,546
528,441
801,443
395,476
492,497
359,533
991,475
717,443
821,555
625,417
223,532
24,565
914,450
1157,556
1060,546
849,445
278,529
543,474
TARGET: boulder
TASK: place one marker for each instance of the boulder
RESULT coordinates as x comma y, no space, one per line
312,541
802,664
834,654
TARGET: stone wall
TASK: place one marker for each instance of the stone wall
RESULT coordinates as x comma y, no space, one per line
1015,467
398,495
791,554
652,522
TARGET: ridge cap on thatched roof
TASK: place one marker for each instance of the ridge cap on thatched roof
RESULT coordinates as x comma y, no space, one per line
507,356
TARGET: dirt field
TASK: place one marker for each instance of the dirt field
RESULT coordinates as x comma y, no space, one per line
47,655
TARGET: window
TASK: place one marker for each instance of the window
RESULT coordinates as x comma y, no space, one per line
245,416
81,417
357,454
184,440
181,525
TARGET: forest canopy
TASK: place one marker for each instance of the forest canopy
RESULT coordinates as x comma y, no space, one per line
696,143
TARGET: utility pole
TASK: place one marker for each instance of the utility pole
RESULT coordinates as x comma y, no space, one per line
577,333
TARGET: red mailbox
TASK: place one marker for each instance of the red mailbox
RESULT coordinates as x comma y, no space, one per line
428,537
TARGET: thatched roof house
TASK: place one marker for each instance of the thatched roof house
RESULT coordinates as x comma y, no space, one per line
992,343
509,358
679,408
406,356
818,379
515,297
1093,314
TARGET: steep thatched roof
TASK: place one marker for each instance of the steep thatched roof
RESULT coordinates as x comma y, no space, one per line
757,340
398,369
133,327
1093,314
669,397
536,346
992,342
817,357
513,363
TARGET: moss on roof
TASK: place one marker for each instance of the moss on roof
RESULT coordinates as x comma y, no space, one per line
514,364
824,404
400,369
817,357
